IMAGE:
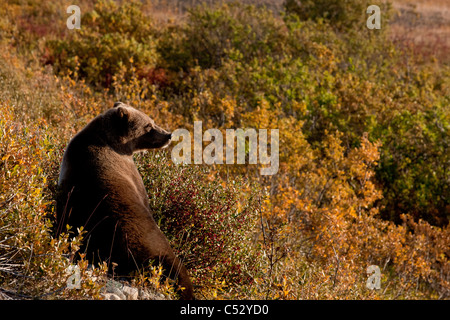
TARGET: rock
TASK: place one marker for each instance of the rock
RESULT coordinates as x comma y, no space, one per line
115,290
130,292
111,296
148,294
143,295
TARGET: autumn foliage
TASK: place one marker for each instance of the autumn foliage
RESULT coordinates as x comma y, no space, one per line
364,146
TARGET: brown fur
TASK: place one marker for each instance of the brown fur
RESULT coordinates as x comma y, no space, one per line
101,189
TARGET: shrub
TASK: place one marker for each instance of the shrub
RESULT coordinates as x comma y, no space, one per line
32,263
212,34
209,223
112,36
414,166
341,15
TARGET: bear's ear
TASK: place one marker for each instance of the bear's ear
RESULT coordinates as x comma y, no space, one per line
116,104
122,113
121,118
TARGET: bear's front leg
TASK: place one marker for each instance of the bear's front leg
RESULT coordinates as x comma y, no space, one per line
145,242
172,265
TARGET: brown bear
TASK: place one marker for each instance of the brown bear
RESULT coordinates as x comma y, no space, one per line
101,190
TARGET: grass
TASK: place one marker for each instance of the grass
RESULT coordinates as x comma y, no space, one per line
424,26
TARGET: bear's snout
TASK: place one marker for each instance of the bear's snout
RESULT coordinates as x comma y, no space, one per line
161,134
166,138
154,139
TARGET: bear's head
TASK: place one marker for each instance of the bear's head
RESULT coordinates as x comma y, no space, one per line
130,130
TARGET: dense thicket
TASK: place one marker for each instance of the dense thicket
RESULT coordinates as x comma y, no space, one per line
364,138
